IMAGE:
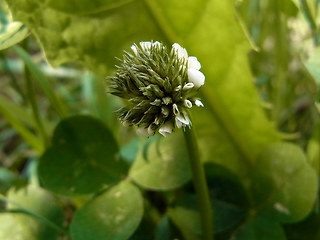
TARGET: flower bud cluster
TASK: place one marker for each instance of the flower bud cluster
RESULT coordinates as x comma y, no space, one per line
159,85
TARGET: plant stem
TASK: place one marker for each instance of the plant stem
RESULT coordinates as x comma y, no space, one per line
313,25
200,185
31,96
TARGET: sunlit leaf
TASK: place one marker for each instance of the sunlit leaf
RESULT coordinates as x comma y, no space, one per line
115,214
284,184
162,164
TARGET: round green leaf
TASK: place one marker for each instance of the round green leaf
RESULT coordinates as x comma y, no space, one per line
284,185
82,158
115,214
162,164
21,225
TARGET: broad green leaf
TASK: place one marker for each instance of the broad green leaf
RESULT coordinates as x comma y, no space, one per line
283,183
36,216
207,28
258,228
114,214
82,158
162,164
88,39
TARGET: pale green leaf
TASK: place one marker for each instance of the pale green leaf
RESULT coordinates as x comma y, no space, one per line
114,214
162,164
284,185
37,216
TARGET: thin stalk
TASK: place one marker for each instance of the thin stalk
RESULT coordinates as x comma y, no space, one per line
31,96
14,80
313,25
200,185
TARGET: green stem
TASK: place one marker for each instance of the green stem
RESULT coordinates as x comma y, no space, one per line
14,80
31,96
200,185
313,25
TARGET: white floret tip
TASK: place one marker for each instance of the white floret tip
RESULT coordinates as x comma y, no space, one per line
198,103
182,52
193,63
196,77
166,129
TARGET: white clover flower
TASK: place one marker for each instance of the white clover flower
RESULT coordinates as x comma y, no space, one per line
160,85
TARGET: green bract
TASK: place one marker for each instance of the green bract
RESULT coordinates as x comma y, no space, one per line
159,85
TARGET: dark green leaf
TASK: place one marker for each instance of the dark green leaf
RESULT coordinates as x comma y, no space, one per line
260,229
186,217
82,158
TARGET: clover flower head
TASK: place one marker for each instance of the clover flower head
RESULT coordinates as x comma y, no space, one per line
159,85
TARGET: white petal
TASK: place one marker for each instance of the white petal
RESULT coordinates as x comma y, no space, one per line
146,45
143,132
166,129
187,103
196,77
198,103
179,124
185,120
156,44
193,63
182,52
134,49
188,86
175,109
